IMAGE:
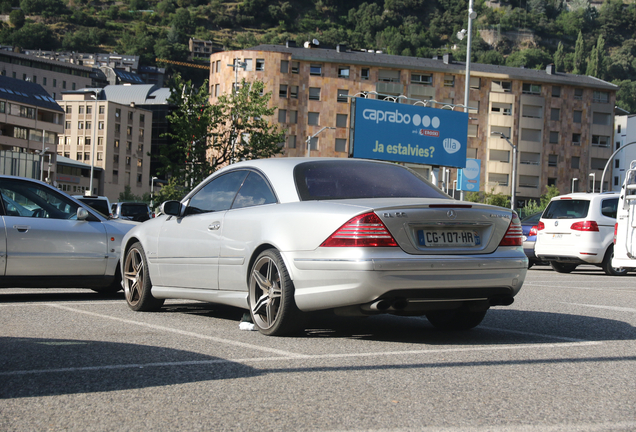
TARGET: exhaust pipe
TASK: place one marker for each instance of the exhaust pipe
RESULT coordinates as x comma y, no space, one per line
387,305
400,304
380,305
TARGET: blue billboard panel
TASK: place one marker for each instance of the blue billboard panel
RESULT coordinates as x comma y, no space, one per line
468,177
408,133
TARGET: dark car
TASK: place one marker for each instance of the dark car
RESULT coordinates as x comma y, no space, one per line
529,231
135,211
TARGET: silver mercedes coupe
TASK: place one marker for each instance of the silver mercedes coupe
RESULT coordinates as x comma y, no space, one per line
284,237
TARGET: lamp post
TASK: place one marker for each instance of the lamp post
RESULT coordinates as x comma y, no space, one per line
573,180
41,153
513,195
93,144
313,136
454,187
152,192
471,16
236,65
593,175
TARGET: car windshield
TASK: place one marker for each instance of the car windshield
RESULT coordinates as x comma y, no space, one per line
329,180
567,209
133,209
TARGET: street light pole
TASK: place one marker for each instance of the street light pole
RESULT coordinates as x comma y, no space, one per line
593,175
573,180
313,136
93,144
152,193
236,65
513,195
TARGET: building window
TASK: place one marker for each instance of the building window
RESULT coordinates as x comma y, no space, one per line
142,119
282,116
128,146
449,80
578,94
127,160
260,65
364,74
87,155
314,93
500,155
129,131
343,95
69,109
500,130
293,92
498,179
600,97
130,115
556,91
313,143
102,109
284,66
597,163
21,133
618,128
552,181
79,156
533,135
88,125
553,160
533,89
64,84
532,111
341,120
555,114
100,156
87,141
100,141
529,158
116,158
291,141
73,86
341,145
501,86
295,68
425,79
282,91
475,82
501,108
139,178
600,141
315,69
140,148
80,109
472,130
54,82
313,118
139,162
554,137
116,144
100,125
603,119
577,116
67,125
576,139
343,71
80,125
293,117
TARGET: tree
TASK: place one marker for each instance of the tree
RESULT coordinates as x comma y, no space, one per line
626,95
579,55
17,18
128,196
559,58
597,61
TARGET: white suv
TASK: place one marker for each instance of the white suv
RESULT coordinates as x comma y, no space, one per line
578,229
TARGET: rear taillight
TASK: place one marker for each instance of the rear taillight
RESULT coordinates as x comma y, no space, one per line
615,231
366,230
540,226
533,231
514,235
584,226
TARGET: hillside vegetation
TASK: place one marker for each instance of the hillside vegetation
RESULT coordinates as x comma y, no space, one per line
575,36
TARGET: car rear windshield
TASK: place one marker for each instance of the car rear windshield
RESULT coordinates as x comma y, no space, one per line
567,209
133,209
97,204
346,179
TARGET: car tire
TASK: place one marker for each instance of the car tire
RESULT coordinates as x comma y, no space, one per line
456,319
607,264
271,296
137,284
114,287
563,267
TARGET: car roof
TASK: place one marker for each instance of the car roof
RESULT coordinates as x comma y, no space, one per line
585,195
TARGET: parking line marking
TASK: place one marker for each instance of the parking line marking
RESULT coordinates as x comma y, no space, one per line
185,333
297,357
577,287
532,334
613,308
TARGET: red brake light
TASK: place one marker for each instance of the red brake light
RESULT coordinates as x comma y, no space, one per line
533,231
584,226
366,230
514,235
540,226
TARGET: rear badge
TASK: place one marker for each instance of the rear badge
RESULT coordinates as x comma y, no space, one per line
556,223
452,215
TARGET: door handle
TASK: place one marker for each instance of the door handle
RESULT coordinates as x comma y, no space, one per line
22,228
214,226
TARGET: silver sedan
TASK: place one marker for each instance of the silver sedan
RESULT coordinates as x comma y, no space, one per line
286,236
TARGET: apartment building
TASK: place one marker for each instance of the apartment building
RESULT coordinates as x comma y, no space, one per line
106,134
54,76
562,124
27,114
624,135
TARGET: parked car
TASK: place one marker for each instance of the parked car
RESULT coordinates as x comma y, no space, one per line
529,232
49,239
625,227
134,211
285,236
578,229
99,203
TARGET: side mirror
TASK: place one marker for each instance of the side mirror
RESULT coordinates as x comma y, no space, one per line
82,213
171,208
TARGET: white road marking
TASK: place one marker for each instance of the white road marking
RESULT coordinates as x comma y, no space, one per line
613,308
183,332
559,427
277,360
578,287
532,334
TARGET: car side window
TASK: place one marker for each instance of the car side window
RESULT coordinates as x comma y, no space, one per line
609,207
218,194
254,192
27,199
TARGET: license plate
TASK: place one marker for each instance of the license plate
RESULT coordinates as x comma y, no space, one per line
448,238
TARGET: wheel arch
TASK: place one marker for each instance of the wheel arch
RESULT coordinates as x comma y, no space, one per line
257,252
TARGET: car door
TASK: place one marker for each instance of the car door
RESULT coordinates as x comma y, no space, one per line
188,246
43,235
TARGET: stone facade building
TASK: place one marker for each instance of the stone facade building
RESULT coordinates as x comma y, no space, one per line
561,123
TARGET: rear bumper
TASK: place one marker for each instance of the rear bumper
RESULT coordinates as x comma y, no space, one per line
331,283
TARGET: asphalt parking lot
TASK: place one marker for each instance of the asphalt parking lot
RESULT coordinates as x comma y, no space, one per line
562,357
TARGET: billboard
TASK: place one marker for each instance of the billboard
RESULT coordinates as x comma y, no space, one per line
408,133
468,177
